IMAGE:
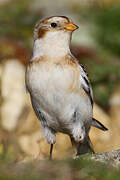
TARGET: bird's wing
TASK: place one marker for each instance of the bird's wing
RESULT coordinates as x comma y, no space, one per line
38,112
85,83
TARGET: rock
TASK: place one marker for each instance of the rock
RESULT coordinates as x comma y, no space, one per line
115,118
101,139
90,166
13,94
115,108
29,144
111,157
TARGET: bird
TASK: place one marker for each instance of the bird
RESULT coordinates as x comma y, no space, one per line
60,91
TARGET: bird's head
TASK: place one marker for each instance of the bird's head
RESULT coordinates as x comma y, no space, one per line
52,37
54,24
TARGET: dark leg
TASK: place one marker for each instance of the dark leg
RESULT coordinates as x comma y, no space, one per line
83,147
51,148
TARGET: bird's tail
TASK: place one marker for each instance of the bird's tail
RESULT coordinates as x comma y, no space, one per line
98,124
83,147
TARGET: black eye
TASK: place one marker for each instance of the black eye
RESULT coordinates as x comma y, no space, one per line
53,25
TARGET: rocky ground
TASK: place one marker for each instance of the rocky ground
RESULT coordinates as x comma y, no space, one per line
94,167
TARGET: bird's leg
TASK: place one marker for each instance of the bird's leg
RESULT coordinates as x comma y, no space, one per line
82,147
50,137
51,149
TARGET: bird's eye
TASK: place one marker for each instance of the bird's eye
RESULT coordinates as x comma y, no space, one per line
53,25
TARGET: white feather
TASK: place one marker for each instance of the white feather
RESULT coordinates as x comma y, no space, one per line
54,44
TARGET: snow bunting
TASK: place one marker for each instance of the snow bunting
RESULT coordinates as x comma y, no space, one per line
58,85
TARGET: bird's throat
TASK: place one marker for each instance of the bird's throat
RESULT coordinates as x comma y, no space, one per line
53,45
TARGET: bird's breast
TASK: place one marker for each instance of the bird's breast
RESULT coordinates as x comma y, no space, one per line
46,78
56,90
50,83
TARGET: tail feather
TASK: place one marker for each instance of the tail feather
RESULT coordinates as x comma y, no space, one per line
83,147
98,125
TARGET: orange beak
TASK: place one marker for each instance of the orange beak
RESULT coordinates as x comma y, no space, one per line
71,27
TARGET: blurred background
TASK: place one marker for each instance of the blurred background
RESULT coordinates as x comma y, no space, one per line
97,46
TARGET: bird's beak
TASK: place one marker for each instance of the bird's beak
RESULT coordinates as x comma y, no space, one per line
71,27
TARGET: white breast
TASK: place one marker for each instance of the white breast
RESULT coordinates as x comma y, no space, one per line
49,86
50,82
54,44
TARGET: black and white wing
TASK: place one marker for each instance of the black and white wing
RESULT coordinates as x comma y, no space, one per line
85,83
